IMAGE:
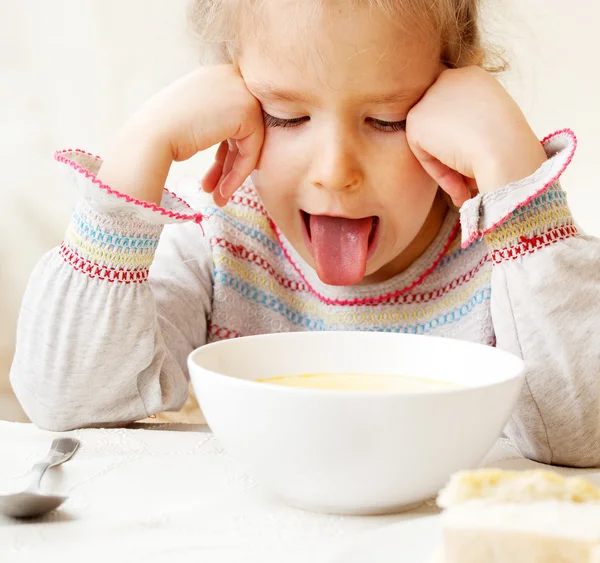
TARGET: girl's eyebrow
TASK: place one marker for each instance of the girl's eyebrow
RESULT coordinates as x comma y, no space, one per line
404,95
271,92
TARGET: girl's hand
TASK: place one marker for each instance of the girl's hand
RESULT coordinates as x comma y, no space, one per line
470,135
210,105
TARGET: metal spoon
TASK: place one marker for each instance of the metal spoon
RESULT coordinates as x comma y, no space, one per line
32,502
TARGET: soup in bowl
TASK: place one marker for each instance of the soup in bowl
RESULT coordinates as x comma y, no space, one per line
355,422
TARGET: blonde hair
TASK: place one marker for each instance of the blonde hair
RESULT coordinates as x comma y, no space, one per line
455,22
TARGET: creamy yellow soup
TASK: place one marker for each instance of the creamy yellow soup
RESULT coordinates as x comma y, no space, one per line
360,382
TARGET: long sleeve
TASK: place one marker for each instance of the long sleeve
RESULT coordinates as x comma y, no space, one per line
545,308
108,319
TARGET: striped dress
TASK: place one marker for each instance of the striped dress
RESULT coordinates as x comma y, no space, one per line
109,317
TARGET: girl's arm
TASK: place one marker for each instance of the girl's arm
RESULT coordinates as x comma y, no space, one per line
101,341
545,308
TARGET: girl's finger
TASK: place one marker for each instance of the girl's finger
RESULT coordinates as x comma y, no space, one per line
218,197
213,174
228,164
249,148
219,200
242,167
472,185
451,181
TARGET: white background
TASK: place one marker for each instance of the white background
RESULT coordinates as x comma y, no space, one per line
71,71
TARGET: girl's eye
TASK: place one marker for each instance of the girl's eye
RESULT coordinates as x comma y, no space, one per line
272,121
389,126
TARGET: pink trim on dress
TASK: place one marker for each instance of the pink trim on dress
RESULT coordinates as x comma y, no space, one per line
530,245
478,234
223,333
104,273
59,156
242,253
369,300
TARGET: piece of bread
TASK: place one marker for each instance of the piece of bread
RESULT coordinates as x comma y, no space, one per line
494,516
496,485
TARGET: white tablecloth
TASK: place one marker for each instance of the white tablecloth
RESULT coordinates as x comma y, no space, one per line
169,494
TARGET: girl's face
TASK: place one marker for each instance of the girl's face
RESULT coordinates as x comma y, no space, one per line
336,174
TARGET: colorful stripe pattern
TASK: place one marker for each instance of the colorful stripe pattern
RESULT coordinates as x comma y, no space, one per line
261,285
107,248
257,288
544,221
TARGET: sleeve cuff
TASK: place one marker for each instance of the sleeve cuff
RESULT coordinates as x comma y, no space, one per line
527,214
109,247
81,168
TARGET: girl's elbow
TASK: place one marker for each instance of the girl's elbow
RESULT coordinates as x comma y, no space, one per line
569,452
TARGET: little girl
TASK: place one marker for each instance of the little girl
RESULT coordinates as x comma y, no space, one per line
350,133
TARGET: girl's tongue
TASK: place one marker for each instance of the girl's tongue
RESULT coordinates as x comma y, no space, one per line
340,248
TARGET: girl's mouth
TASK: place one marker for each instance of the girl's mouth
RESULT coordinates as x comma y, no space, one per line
340,246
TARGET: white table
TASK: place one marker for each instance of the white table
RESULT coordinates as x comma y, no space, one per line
169,494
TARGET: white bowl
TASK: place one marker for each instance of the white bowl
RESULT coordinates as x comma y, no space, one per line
354,452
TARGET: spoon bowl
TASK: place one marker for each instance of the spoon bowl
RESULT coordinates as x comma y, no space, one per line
32,502
29,504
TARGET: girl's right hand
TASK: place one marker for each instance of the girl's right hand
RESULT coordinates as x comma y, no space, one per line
210,105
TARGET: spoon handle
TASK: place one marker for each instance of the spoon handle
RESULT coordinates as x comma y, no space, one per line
62,450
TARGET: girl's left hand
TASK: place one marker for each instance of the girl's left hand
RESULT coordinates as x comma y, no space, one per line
470,135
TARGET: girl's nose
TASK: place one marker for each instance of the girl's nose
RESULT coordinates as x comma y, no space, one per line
335,166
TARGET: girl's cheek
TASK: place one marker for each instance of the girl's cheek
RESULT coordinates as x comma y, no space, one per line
405,172
409,188
416,175
266,166
275,174
275,150
265,151
281,158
